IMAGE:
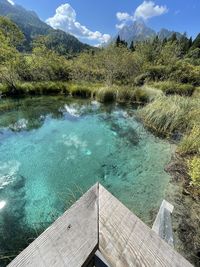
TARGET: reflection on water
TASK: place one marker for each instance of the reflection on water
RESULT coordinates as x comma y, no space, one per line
53,149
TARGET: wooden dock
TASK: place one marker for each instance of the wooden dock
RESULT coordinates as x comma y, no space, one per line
98,230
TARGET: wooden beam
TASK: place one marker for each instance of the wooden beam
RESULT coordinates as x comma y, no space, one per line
124,240
99,221
162,225
70,241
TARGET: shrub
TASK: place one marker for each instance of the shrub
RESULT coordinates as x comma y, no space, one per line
185,72
194,170
156,73
141,79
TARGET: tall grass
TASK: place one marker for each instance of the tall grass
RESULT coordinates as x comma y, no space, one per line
180,115
172,88
194,170
190,143
169,114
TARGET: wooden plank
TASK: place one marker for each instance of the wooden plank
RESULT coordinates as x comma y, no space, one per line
124,240
99,260
69,241
162,225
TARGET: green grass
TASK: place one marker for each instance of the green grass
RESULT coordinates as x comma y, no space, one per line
190,144
168,114
177,116
42,88
83,89
194,170
172,88
3,88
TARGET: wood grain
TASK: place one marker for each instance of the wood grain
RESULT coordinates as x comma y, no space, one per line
124,240
69,241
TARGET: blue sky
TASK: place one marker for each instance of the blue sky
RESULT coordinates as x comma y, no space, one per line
94,20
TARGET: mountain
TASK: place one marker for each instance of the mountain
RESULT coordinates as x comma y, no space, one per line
164,33
32,27
139,31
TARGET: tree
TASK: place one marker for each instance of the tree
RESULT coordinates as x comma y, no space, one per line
196,42
185,43
118,41
11,32
132,47
173,38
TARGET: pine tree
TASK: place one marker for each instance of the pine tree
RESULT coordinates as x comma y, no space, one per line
173,38
118,41
196,43
132,47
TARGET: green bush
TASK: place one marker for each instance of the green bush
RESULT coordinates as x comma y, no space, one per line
141,79
184,72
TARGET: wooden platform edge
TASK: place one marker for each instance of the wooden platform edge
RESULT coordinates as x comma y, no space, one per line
162,225
77,226
124,240
98,220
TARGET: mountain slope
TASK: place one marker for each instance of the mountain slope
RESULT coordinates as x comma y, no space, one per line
32,27
139,31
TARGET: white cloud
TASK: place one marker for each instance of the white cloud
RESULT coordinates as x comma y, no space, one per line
148,9
65,19
122,16
145,11
120,26
11,2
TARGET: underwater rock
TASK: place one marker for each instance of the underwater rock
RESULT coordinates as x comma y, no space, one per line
8,172
19,125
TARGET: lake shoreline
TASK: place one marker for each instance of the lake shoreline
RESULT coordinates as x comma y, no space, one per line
185,218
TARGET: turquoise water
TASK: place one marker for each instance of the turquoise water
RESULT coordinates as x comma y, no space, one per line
53,149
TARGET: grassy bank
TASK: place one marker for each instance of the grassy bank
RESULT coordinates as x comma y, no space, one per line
98,91
177,117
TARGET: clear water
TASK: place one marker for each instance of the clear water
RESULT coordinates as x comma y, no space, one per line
53,149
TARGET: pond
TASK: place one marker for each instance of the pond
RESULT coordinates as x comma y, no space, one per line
52,149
